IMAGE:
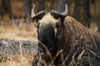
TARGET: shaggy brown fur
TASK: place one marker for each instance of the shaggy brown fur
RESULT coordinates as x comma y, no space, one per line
79,44
78,39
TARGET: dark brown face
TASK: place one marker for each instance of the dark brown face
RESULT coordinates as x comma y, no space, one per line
49,30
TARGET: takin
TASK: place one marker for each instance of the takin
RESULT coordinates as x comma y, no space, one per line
63,41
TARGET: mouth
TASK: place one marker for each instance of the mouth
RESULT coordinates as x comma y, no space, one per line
44,52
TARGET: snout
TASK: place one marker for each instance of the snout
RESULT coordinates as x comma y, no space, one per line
46,36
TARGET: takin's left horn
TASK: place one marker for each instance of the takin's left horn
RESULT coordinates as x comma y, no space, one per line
60,15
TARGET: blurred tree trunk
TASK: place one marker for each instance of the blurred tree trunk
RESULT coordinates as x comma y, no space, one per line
27,8
98,24
61,5
5,8
69,4
86,13
52,4
76,14
41,5
9,8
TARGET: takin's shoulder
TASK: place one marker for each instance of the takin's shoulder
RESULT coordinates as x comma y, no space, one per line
75,27
72,21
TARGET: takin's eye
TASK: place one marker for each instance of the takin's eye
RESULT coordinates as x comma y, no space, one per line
38,26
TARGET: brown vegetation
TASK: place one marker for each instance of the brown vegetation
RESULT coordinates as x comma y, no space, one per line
17,60
23,32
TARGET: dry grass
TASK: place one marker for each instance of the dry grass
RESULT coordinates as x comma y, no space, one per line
18,61
25,32
13,32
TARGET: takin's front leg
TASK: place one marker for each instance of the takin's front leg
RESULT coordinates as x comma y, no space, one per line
37,60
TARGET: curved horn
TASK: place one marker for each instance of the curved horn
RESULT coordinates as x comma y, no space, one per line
60,15
39,15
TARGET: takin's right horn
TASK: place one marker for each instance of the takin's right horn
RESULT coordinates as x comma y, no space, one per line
39,15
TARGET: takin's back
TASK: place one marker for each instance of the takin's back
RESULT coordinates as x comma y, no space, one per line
83,43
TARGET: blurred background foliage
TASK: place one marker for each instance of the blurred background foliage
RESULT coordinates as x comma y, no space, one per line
86,12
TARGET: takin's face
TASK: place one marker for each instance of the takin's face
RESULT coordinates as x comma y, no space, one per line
49,30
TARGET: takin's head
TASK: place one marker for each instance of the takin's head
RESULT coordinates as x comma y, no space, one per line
49,29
